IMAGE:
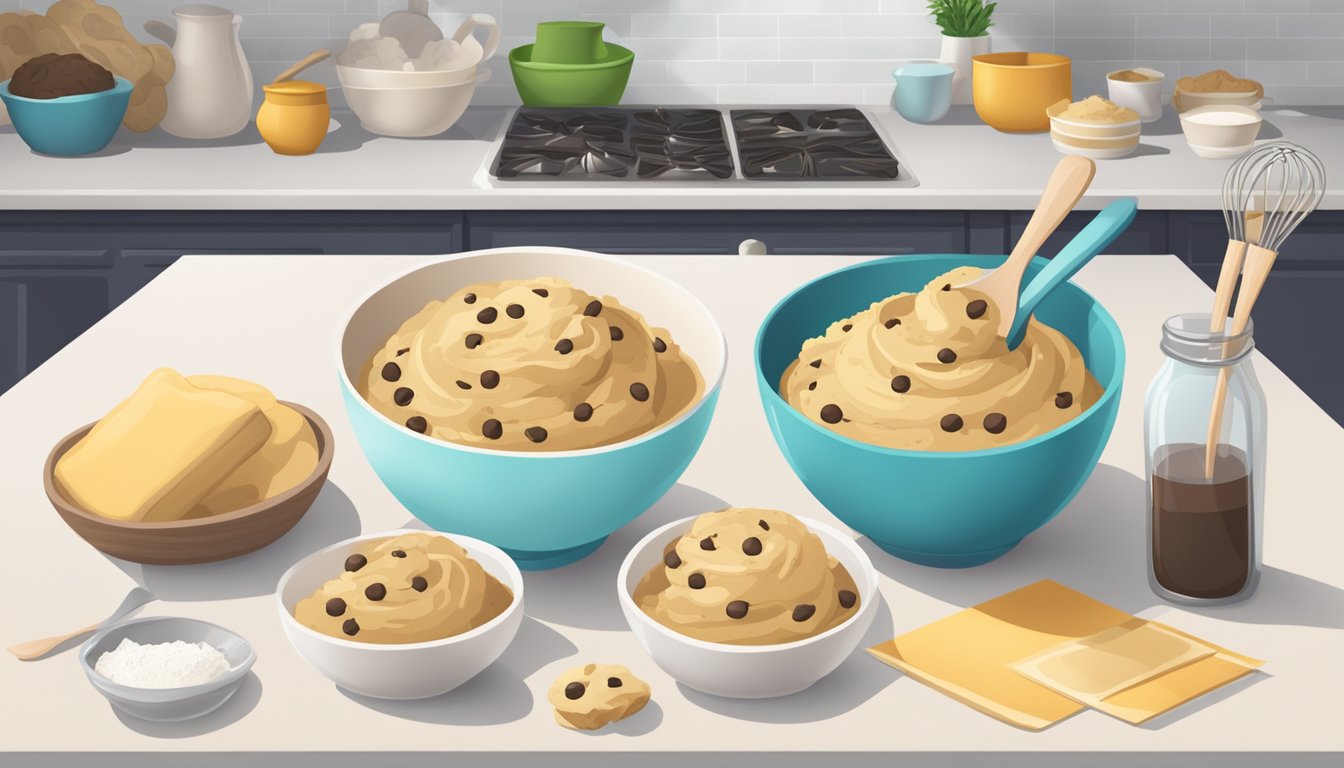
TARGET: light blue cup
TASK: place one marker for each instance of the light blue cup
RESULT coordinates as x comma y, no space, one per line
69,125
951,510
923,90
545,509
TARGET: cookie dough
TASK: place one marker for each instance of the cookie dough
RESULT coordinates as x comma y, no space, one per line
53,75
411,588
1095,109
748,577
589,697
1219,81
928,371
530,365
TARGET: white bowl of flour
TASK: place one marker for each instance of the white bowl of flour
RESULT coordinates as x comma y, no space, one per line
167,669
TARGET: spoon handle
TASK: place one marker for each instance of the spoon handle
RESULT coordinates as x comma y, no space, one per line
1090,241
307,61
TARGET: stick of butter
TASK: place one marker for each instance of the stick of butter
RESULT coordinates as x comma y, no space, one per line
157,454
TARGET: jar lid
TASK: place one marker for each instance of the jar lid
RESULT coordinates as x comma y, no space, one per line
295,88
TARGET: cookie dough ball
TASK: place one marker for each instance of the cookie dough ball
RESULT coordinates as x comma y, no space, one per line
53,75
530,365
589,697
748,577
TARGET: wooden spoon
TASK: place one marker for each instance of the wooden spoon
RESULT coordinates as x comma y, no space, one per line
321,54
36,649
1068,182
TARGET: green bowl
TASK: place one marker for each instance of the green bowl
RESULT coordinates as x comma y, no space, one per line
547,84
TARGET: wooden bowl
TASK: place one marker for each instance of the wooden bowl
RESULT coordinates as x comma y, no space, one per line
201,540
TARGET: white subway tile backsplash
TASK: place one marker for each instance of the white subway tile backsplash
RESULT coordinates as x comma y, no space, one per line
835,51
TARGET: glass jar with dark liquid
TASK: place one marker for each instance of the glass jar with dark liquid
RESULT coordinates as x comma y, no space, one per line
1204,509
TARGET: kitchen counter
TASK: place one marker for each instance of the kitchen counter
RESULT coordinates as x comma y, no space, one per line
961,164
258,317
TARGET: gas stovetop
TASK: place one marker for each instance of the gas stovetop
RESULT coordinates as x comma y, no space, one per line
699,144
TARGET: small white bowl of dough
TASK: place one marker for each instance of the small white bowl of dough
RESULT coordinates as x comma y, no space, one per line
1140,89
347,608
1094,127
167,669
1221,132
752,654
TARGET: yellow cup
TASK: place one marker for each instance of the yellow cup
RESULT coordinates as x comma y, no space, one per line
1011,91
294,117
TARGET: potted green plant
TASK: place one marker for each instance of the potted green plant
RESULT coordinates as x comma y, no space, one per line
965,25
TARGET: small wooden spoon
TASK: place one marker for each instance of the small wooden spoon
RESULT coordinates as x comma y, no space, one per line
1068,182
36,649
321,54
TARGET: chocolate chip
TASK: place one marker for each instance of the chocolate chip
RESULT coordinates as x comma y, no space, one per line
803,612
417,424
847,598
492,429
564,346
893,322
614,682
659,345
335,606
462,384
976,309
542,292
474,340
639,392
514,310
812,386
398,553
764,525
350,627
489,379
355,562
470,298
995,423
574,691
815,363
951,423
900,384
403,396
946,355
617,334
707,543
593,309
831,413
1063,399
391,372
535,434
847,327
403,351
583,412
487,316
419,584
375,591
947,287
696,581
751,547
672,559
737,609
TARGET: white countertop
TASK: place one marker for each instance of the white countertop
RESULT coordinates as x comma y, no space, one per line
961,164
195,318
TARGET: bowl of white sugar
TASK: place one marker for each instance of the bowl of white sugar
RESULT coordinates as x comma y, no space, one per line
167,668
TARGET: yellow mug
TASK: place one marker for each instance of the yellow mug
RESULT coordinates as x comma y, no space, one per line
1011,91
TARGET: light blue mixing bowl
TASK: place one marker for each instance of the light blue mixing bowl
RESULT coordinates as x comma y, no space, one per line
69,125
951,510
545,509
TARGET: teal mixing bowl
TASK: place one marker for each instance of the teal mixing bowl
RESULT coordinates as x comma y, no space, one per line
69,125
545,509
951,510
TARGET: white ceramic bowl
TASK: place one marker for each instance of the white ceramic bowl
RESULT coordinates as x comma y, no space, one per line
1221,131
410,112
1095,130
169,704
1142,97
404,671
361,77
748,671
1097,149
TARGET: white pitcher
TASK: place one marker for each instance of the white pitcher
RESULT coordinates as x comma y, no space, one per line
210,94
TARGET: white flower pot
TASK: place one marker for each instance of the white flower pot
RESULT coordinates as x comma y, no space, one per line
957,53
